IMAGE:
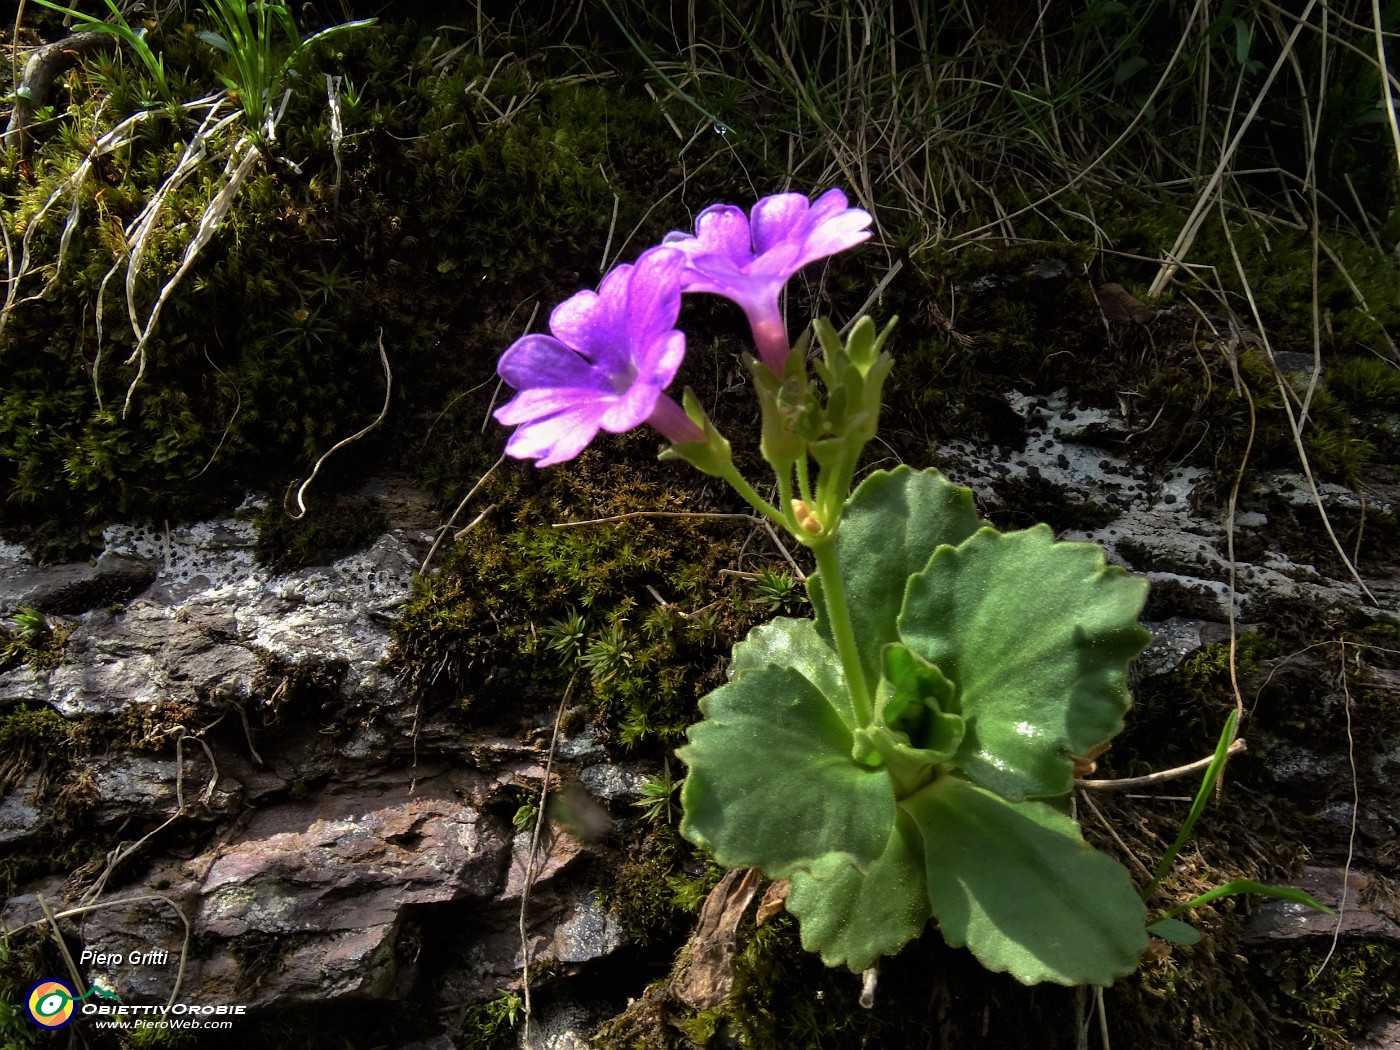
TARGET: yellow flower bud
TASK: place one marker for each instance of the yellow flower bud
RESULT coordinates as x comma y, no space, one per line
805,517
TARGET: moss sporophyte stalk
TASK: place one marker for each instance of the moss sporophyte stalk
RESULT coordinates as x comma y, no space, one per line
906,754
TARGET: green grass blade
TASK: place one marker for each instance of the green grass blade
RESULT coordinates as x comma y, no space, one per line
636,46
1213,771
1238,886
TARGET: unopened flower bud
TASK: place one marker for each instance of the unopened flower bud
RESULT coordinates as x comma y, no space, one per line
805,517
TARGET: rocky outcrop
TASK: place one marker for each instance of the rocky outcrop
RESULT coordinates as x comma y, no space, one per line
284,834
289,826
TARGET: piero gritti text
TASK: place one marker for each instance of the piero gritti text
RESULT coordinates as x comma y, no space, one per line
154,957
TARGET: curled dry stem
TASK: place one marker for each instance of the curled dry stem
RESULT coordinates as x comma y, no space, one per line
109,141
388,389
209,222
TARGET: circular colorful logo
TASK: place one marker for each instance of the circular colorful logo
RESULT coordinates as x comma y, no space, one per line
50,1004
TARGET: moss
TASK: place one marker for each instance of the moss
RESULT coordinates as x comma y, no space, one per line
330,530
144,1038
1178,717
929,994
1026,501
1384,638
1370,535
1365,384
148,728
30,738
651,892
481,178
485,625
1202,997
28,637
1201,416
1330,997
491,1025
268,352
25,958
1203,672
259,954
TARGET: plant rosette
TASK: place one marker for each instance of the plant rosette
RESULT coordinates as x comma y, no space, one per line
907,755
998,657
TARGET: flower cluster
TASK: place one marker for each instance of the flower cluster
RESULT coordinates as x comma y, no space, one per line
612,352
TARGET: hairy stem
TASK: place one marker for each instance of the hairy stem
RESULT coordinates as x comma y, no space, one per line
753,499
834,589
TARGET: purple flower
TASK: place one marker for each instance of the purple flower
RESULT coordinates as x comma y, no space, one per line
750,259
604,367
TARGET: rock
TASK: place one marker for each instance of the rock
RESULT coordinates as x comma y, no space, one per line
613,781
1172,641
1159,533
1296,365
212,628
563,1025
1382,1034
24,909
1369,913
329,884
590,932
21,816
143,789
24,685
554,853
441,1041
1385,768
336,846
1297,770
147,655
69,588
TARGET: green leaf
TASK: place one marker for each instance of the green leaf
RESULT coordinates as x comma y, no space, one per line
1244,38
1037,636
214,40
785,642
889,529
852,918
912,734
1017,884
914,696
772,782
1128,68
1175,931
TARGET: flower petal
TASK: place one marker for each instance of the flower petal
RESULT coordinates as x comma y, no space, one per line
653,295
661,359
611,354
542,402
558,438
720,229
543,361
749,260
832,202
778,263
779,218
835,235
585,322
630,408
